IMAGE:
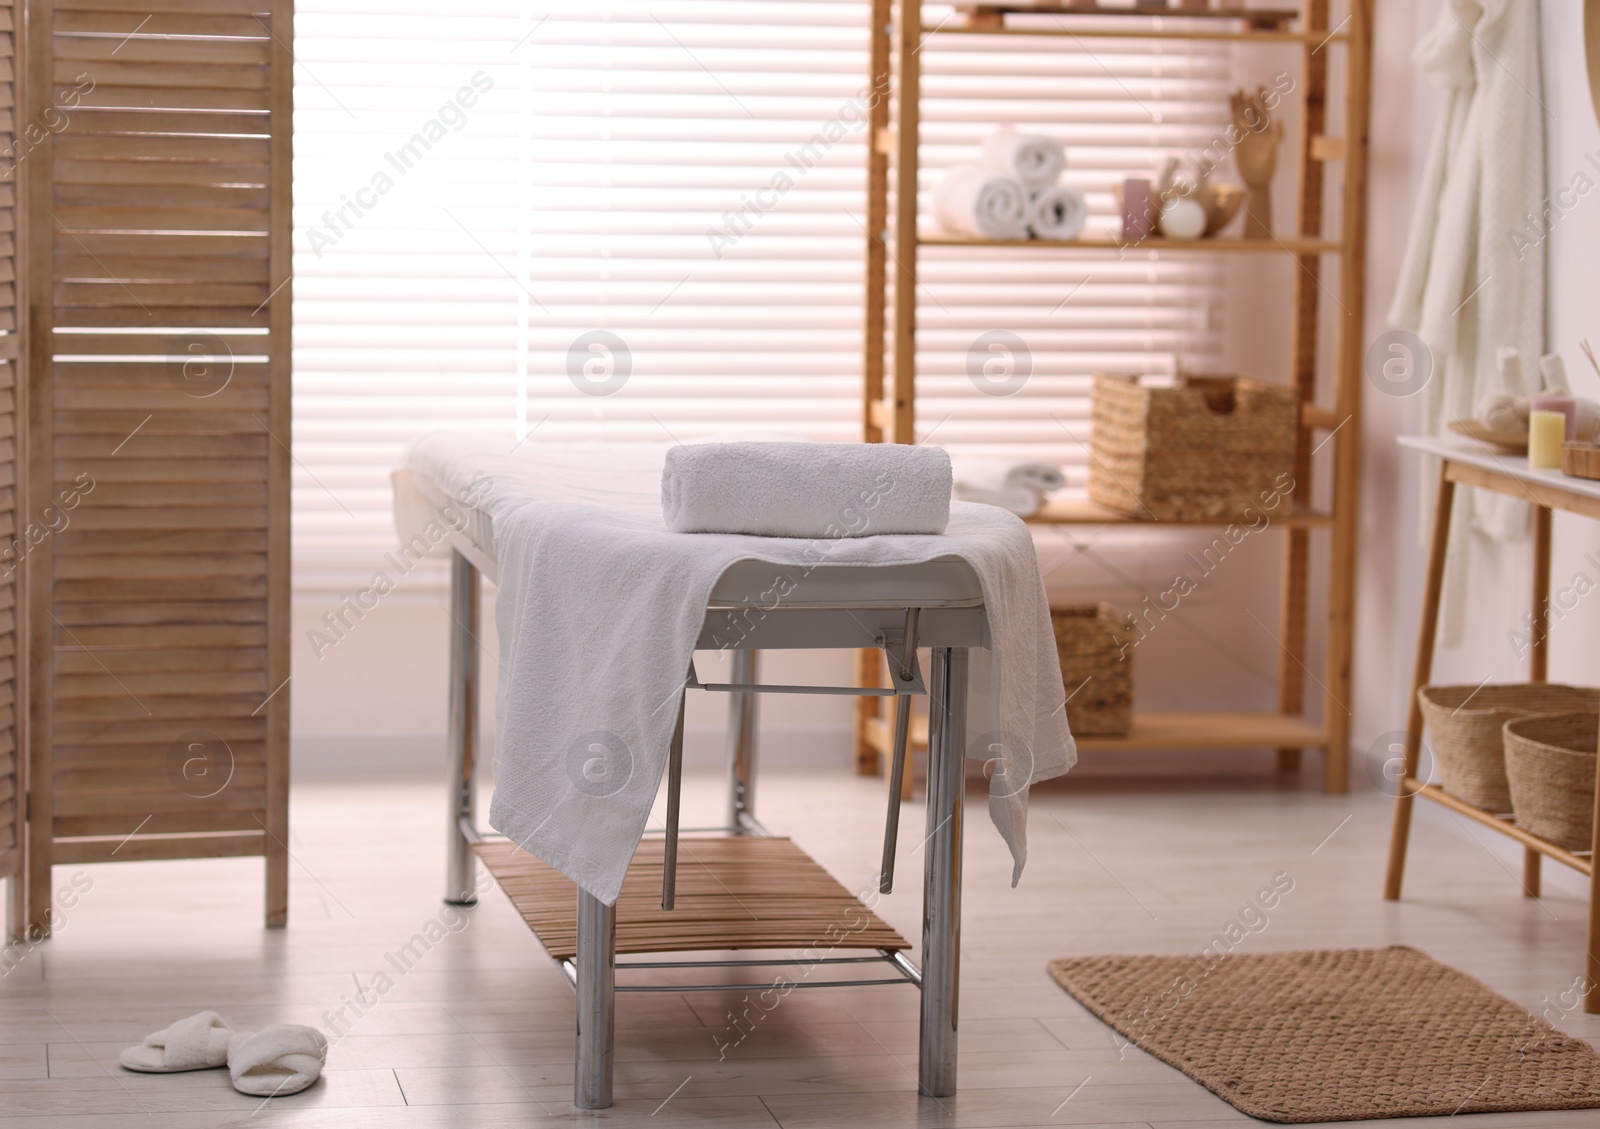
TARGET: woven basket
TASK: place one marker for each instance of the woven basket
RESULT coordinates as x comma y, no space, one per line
1094,642
1208,448
1465,725
1550,762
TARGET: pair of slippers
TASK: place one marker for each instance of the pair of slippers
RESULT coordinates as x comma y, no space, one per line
282,1059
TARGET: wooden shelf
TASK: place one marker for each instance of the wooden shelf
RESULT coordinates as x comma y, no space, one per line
1166,731
1260,25
1288,245
898,238
1500,823
1081,511
739,892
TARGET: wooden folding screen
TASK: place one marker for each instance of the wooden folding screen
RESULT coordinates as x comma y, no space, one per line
157,218
11,804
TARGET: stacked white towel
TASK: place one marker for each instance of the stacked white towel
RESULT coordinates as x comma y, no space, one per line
1018,487
1057,212
1037,161
1013,193
982,202
806,489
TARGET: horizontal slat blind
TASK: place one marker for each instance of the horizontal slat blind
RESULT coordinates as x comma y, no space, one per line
687,180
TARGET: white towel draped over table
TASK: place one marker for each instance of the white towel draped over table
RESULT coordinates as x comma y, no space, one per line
599,608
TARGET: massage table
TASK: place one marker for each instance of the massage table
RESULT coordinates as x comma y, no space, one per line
937,604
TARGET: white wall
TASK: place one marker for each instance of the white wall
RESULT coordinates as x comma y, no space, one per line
1500,576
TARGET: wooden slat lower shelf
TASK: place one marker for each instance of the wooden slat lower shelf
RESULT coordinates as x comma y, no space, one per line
743,892
1499,823
1168,731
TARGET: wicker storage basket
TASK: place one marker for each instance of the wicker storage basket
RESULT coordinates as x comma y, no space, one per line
1550,762
1094,642
1465,731
1204,449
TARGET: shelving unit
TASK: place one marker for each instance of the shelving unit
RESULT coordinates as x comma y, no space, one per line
895,236
1463,463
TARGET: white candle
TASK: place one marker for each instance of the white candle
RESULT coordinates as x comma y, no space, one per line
1546,432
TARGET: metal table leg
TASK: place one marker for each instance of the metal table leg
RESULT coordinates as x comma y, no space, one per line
941,897
460,887
742,746
597,952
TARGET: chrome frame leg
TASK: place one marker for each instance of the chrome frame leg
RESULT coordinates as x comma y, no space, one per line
597,953
742,746
941,889
460,882
669,850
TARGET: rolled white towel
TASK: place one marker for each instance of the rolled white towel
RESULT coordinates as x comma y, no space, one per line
1057,212
981,202
1032,158
806,489
1018,487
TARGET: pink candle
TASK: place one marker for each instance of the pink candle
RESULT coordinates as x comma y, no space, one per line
1138,210
1566,405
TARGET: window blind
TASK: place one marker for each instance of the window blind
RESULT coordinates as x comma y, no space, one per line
565,222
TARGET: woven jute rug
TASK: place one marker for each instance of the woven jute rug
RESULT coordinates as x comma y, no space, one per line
1337,1035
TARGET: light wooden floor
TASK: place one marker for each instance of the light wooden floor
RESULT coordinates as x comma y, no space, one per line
477,1033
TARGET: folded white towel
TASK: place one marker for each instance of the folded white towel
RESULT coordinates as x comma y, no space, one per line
276,1061
806,489
982,202
1057,212
1018,487
1032,158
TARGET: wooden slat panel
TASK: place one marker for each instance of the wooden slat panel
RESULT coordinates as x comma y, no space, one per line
251,9
145,848
163,23
175,76
107,471
152,294
160,730
167,53
164,197
11,764
188,659
168,204
179,682
135,96
164,823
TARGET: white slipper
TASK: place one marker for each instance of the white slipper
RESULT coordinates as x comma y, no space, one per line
197,1043
282,1059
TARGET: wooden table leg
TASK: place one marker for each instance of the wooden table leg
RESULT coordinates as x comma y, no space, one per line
1438,545
1591,960
1538,660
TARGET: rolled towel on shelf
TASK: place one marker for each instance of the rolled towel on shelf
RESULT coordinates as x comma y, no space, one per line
1018,487
1032,158
1057,212
981,202
820,490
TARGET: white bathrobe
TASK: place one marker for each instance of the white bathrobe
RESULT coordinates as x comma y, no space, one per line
1473,278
